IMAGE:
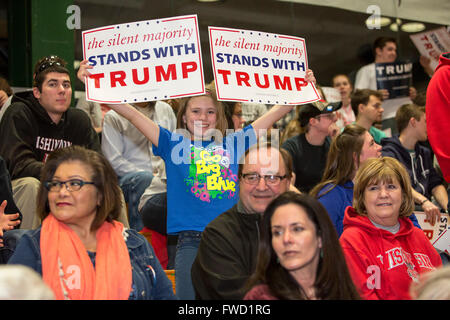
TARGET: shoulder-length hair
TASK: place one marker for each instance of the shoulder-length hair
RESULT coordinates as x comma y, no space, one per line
340,166
377,170
103,176
333,279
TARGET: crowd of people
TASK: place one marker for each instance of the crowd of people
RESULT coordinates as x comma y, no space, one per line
327,212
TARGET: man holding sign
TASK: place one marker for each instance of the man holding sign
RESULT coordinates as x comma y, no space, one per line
385,51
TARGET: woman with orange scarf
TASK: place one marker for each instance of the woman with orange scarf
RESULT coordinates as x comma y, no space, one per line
80,250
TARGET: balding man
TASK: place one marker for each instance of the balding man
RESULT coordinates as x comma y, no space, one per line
227,254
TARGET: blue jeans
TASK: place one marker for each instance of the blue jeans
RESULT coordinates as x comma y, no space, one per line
188,242
133,185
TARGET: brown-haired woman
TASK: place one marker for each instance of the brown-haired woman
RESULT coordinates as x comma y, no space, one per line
348,150
385,253
80,250
299,254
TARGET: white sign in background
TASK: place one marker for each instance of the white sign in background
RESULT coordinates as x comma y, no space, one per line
260,67
439,234
144,61
432,44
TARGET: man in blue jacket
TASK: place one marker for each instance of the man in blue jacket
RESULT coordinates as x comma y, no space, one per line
418,160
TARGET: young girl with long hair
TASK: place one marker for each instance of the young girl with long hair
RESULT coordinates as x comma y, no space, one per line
202,166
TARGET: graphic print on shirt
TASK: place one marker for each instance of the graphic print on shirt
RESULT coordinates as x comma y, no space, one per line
210,176
50,144
398,257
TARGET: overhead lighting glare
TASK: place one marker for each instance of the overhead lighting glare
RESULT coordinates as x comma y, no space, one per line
377,22
413,27
394,27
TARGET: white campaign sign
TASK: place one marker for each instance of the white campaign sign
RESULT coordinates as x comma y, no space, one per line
432,43
439,234
260,67
144,61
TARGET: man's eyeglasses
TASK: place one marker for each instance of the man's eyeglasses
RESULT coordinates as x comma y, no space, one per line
269,179
71,185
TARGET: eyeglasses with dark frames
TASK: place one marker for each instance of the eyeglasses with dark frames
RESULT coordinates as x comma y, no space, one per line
71,185
269,179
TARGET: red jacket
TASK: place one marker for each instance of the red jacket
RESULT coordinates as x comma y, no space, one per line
438,113
382,264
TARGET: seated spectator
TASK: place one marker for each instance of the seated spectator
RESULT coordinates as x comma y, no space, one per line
79,202
345,114
385,253
227,254
309,150
366,105
347,152
299,254
36,123
201,167
130,153
22,283
417,159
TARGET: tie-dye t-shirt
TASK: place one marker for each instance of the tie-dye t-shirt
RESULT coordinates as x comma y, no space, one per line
202,177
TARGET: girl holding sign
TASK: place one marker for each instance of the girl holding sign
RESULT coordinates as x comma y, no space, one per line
201,166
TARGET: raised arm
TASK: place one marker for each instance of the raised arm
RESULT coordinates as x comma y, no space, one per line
277,112
144,124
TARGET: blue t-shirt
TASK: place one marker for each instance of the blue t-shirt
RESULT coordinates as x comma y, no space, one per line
202,177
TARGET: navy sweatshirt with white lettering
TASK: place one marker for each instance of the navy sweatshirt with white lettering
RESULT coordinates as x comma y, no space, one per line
28,135
383,264
418,163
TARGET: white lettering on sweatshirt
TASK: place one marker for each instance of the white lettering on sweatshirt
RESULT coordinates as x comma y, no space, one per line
50,144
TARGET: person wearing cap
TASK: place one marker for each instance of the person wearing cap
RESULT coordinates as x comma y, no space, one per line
366,105
37,122
309,149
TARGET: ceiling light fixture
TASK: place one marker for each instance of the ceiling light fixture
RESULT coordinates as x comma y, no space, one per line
394,27
413,27
373,22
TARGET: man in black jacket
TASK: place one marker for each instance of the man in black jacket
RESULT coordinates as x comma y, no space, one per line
228,250
36,123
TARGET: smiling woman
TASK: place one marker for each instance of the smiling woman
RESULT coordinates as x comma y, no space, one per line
385,253
79,202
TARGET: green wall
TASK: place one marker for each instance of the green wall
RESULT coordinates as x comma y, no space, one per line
37,28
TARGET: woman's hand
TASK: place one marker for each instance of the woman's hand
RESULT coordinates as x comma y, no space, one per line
6,221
